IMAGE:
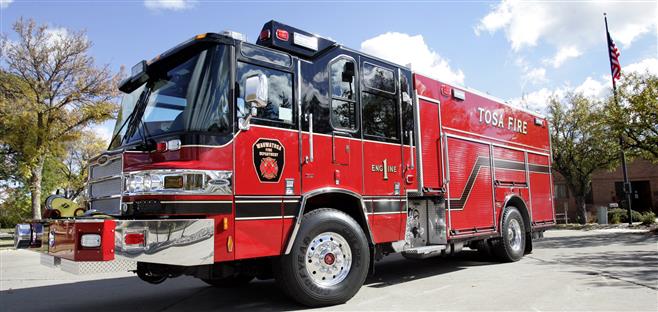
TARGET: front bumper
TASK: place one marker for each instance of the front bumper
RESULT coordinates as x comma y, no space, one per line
183,242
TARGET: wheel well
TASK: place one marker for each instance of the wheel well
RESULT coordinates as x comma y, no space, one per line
346,203
523,209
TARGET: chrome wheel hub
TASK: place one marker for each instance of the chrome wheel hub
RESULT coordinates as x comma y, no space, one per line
328,259
514,235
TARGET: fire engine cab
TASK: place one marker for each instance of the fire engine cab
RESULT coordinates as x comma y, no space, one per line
303,160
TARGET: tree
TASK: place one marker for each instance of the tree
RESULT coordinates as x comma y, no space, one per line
61,90
75,163
635,115
582,143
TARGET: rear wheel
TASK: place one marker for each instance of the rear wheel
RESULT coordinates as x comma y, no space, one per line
328,262
511,246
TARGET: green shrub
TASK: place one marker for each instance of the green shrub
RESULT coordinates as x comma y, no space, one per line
620,215
648,218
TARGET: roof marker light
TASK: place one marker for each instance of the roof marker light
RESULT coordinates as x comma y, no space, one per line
282,34
264,35
235,35
458,94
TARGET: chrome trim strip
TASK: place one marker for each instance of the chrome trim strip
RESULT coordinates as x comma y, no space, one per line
419,150
257,218
102,179
257,201
387,212
195,202
106,197
316,192
492,168
527,180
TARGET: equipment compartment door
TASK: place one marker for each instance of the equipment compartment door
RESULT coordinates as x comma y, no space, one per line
470,189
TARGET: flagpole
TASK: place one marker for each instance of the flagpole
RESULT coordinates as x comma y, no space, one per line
627,184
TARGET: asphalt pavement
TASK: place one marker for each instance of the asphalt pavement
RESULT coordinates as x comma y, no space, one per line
598,270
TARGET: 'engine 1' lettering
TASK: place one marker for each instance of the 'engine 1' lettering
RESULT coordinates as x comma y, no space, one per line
497,119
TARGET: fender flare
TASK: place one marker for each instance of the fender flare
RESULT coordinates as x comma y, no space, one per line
515,197
321,191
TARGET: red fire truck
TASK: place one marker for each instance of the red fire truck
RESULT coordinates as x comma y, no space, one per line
303,160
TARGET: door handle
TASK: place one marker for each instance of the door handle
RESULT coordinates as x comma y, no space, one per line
411,148
309,118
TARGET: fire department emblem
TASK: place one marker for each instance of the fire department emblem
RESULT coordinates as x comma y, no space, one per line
268,168
269,159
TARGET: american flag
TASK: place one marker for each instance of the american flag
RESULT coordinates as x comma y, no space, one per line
615,67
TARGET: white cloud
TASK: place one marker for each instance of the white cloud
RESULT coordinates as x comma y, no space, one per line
406,49
564,54
577,24
591,87
536,75
175,5
647,65
5,3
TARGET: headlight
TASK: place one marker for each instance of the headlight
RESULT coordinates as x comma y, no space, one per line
178,182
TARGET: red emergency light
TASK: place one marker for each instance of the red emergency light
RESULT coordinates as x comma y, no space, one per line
282,34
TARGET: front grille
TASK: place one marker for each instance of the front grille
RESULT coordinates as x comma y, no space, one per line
105,185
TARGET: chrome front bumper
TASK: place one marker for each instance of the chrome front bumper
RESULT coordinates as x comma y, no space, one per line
176,242
183,242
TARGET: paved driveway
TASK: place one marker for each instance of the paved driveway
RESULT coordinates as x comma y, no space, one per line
568,270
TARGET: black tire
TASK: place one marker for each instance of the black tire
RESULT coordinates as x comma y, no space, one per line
510,246
236,280
293,274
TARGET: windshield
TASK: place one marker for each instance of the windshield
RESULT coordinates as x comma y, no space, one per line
189,95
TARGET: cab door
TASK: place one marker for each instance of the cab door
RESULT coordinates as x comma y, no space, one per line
266,156
332,145
382,148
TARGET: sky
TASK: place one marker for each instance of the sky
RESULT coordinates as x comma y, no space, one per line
519,51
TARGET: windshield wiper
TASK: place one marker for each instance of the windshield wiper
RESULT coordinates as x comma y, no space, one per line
125,122
138,113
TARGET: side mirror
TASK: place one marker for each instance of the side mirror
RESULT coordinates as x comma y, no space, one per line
348,72
255,92
255,95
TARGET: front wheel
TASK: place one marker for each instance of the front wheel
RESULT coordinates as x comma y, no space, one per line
328,262
511,246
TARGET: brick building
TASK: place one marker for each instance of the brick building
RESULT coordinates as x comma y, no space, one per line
607,188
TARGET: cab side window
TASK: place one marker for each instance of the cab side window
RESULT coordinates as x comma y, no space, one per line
280,106
343,98
380,105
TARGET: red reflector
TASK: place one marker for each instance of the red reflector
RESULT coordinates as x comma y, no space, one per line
161,147
134,239
445,90
264,35
282,34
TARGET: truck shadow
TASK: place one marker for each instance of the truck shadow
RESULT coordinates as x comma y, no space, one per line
624,268
186,293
